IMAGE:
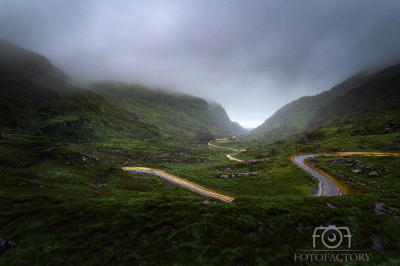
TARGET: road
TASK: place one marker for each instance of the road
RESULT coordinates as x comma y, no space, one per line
230,157
326,186
181,182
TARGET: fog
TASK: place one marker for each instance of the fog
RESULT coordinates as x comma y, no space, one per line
253,57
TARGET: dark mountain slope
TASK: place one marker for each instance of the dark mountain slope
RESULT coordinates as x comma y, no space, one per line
294,117
222,120
26,62
372,108
28,107
35,99
177,115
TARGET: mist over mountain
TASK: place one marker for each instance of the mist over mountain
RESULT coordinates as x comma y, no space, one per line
369,109
294,117
240,54
37,100
26,62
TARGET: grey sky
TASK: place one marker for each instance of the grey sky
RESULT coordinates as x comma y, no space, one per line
251,56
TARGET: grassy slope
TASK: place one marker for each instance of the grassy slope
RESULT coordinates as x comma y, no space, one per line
177,115
230,128
48,203
138,219
63,112
294,117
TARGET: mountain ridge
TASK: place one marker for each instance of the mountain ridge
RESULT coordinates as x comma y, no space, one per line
36,99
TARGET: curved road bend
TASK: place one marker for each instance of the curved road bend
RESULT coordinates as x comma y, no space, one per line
230,157
326,187
181,182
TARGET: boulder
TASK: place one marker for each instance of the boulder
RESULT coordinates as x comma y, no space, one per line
3,246
374,174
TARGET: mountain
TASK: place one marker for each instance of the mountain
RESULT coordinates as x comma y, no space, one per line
372,108
294,117
222,120
175,114
25,62
36,99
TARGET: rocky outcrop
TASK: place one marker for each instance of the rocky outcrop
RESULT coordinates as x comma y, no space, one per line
6,245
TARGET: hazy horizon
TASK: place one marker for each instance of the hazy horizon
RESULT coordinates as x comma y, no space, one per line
252,57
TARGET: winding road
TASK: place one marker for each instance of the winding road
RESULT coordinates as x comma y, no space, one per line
326,186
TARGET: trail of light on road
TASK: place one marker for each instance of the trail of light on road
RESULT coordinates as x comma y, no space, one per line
230,157
327,185
181,182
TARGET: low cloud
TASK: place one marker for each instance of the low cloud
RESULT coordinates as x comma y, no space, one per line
251,56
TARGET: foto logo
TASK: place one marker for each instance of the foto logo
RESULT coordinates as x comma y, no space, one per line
331,236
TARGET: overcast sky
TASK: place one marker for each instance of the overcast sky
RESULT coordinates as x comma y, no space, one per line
253,57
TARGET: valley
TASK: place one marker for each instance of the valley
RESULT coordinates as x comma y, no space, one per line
122,174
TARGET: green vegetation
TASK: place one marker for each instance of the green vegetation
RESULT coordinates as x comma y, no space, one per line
376,176
294,117
65,199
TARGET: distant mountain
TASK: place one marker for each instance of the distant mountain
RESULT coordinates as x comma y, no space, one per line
175,114
222,121
294,117
36,99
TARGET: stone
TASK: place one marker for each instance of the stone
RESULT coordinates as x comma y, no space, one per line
260,230
374,174
300,228
3,246
12,244
251,235
379,208
377,242
330,205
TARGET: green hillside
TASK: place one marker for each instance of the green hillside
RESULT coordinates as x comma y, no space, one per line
177,115
37,100
366,118
295,116
66,200
370,109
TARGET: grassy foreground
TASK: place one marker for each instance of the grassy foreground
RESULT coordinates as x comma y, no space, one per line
52,204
